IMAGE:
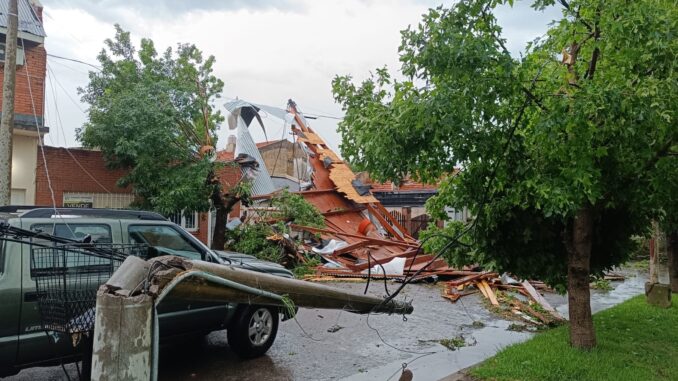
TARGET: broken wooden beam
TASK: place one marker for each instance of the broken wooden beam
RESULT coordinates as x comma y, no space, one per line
488,292
537,297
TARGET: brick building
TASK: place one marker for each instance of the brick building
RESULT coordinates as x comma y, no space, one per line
29,100
79,178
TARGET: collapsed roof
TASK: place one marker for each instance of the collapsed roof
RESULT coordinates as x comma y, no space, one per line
369,234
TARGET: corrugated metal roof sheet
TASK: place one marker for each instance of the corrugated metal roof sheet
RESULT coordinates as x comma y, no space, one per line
262,183
28,20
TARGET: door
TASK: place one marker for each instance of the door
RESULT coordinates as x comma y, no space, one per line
34,344
10,300
178,316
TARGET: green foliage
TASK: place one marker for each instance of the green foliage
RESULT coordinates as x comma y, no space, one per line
306,268
434,240
251,239
150,113
288,305
243,191
454,343
293,208
602,284
636,342
537,140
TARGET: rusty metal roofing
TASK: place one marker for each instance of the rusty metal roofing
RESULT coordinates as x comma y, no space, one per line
28,19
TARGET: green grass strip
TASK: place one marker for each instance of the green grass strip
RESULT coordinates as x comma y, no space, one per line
636,341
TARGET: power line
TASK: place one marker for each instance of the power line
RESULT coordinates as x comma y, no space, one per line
60,126
74,60
79,70
41,143
315,116
49,69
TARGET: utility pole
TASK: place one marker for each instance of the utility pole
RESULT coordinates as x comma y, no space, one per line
7,121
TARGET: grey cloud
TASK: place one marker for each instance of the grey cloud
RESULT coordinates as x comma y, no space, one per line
520,23
110,10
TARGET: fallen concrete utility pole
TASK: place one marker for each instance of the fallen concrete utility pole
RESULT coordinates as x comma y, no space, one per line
126,328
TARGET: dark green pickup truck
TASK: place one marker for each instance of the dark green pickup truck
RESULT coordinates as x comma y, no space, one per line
251,330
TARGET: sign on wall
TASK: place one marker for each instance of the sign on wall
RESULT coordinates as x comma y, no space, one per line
78,201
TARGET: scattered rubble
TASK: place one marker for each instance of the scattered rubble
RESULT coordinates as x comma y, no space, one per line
501,292
361,240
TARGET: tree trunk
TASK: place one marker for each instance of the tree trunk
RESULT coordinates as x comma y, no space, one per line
672,253
582,334
219,232
223,206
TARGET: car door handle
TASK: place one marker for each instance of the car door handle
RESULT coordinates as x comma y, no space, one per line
31,296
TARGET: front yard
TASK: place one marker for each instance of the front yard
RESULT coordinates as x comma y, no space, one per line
635,342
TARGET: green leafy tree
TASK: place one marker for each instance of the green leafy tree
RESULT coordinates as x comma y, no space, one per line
556,148
665,189
151,113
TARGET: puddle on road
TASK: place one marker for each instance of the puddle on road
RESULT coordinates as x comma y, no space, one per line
488,341
356,352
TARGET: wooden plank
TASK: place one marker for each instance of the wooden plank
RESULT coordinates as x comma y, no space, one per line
482,289
342,176
490,293
385,224
469,278
395,222
537,297
385,242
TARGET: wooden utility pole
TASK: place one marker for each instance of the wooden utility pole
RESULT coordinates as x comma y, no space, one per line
7,122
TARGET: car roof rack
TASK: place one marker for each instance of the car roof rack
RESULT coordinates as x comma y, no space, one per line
48,212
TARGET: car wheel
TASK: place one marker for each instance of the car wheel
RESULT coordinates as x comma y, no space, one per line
253,331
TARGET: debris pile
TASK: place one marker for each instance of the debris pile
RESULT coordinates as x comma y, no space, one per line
360,239
519,298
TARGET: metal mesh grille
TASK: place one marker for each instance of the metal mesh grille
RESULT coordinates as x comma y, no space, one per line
104,200
67,278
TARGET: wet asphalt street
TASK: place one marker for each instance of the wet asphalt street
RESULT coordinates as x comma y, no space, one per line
359,347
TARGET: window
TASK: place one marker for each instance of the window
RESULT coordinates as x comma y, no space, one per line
2,257
100,233
75,258
17,197
186,220
164,237
19,54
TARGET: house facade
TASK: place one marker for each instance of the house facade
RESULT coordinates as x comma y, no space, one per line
29,102
79,178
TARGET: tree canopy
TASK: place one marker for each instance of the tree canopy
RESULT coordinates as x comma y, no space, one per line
557,148
151,113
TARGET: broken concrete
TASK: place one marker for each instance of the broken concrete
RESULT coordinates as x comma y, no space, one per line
126,329
658,294
122,338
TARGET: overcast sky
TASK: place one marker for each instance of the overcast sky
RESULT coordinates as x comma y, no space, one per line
266,51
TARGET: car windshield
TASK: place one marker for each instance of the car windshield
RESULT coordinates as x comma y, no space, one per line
164,237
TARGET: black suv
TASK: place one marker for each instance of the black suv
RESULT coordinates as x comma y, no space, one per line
251,330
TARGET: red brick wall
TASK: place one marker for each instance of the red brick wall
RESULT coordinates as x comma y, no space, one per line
229,176
68,176
203,228
35,66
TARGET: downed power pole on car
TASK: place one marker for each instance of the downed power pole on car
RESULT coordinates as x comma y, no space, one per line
126,328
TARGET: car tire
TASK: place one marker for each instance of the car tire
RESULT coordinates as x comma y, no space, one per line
253,331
